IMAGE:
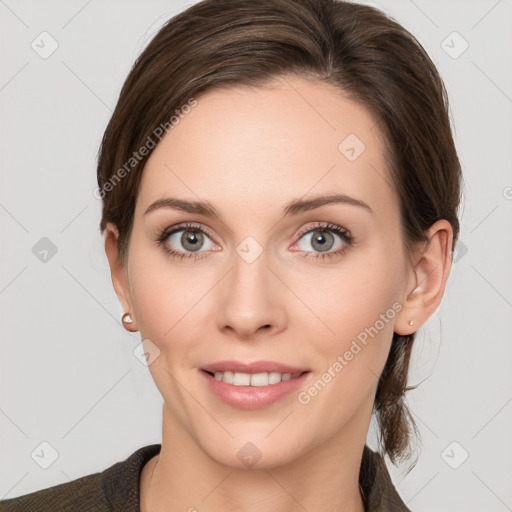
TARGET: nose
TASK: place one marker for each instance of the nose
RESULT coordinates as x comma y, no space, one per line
251,299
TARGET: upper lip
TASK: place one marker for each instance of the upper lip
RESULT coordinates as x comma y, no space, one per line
254,367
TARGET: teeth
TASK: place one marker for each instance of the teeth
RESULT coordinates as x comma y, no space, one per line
254,379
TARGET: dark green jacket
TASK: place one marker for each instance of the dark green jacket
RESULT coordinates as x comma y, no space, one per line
116,489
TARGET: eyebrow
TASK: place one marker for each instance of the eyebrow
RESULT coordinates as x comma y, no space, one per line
292,208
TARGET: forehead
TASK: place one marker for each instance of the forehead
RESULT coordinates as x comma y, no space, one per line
259,146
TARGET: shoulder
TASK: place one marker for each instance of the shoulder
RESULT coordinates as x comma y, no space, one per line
115,488
376,485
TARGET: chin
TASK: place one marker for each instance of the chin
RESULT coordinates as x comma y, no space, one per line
249,456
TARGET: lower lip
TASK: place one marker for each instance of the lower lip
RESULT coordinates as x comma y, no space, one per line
253,397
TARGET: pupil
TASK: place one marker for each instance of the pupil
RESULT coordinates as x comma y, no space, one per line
319,238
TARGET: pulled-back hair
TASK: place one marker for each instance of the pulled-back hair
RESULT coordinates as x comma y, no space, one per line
371,58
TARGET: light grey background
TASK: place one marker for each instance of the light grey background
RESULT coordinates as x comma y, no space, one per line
68,373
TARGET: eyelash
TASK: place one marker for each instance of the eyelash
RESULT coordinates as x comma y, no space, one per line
347,239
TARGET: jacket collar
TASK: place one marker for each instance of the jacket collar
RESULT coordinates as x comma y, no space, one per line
377,489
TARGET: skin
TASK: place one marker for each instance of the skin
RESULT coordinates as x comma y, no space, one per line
249,151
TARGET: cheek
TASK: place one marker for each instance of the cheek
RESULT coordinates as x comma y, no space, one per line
168,300
165,304
353,296
355,309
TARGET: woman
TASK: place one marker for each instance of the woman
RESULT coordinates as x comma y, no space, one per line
280,190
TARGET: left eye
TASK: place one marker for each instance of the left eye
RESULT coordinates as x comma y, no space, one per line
323,239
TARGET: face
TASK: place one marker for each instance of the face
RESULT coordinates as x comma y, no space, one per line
270,275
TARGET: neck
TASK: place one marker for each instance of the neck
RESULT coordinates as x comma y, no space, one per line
324,478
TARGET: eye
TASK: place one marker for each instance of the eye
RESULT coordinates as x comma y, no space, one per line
325,239
185,240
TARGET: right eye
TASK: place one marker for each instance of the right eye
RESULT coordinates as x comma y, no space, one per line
191,238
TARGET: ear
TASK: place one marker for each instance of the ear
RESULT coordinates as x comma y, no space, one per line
429,276
119,274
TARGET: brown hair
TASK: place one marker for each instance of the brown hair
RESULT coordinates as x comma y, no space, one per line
360,50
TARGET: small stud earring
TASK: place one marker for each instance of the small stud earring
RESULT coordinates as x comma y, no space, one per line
411,323
127,319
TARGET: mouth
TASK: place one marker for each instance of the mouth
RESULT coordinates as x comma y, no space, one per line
249,386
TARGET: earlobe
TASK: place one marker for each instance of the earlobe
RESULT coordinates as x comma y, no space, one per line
119,277
430,274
